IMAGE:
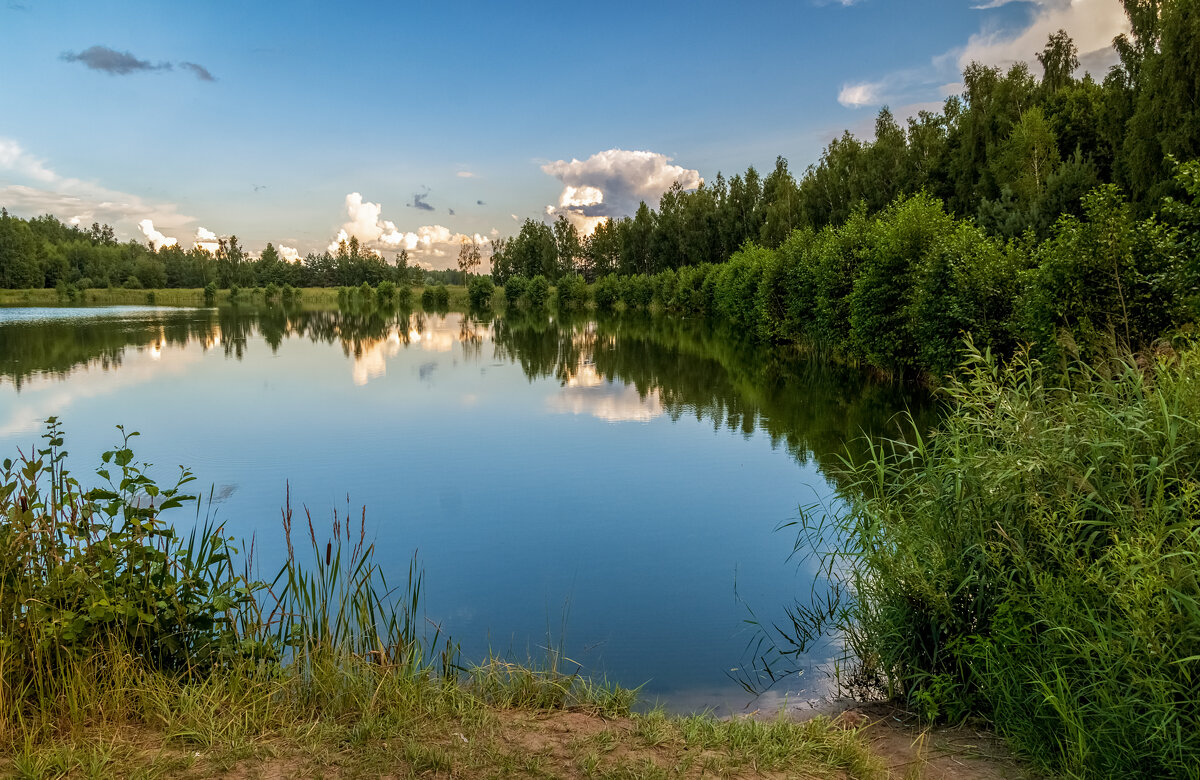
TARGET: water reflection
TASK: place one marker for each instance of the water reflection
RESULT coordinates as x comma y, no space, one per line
619,368
631,466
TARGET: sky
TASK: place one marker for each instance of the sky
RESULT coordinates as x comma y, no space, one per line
414,125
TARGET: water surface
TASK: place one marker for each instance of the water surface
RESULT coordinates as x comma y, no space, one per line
616,486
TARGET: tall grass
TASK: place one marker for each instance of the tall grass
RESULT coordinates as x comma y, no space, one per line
103,603
1036,560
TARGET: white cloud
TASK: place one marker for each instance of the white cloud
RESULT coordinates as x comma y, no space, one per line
156,239
289,253
37,189
428,243
857,95
16,159
1092,24
206,240
612,183
465,175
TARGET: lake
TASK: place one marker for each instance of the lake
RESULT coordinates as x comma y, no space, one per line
619,487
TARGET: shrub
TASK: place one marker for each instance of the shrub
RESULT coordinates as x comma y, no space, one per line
690,297
87,571
132,283
234,292
606,292
441,296
480,291
210,294
737,285
1034,561
636,291
386,291
427,298
572,292
514,288
1098,280
880,305
271,291
537,292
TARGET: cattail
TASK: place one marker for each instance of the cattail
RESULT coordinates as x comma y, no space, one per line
328,552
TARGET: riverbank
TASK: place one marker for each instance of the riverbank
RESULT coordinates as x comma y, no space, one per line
320,297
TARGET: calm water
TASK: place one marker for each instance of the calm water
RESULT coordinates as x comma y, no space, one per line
617,486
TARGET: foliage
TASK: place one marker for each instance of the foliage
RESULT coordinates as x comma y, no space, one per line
1034,560
514,288
480,291
88,570
606,292
571,292
537,292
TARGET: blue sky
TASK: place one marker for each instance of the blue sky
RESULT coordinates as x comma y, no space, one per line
456,106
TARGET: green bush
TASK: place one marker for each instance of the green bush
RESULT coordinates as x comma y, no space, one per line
480,291
966,284
737,283
271,291
881,330
1035,562
664,283
386,291
514,288
428,301
606,292
132,283
441,296
637,291
537,292
690,295
235,292
90,570
210,294
572,292
1100,280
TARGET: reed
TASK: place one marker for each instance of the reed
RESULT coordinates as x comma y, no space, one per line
1035,561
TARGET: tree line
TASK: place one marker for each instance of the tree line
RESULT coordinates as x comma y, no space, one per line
1013,152
45,252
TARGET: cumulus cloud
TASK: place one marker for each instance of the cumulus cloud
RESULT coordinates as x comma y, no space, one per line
156,238
612,183
34,188
206,239
431,245
1092,24
289,253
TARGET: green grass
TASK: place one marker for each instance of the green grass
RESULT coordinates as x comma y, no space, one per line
1036,561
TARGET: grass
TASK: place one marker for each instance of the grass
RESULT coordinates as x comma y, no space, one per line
130,650
1034,561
